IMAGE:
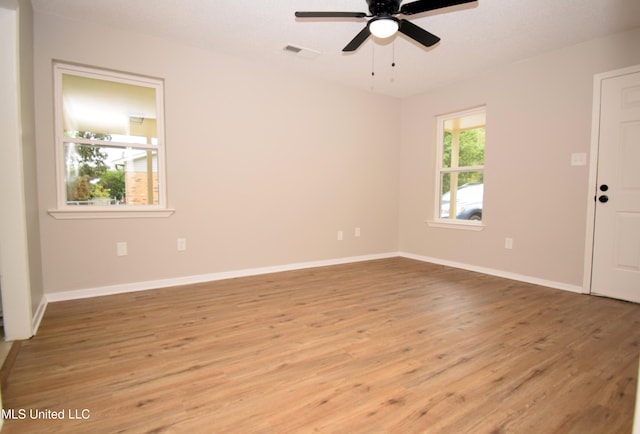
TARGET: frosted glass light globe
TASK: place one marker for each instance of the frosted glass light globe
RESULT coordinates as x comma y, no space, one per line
383,27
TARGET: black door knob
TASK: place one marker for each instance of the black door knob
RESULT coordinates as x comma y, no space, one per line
604,198
604,187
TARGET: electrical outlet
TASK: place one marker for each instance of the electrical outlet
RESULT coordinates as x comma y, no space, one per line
121,248
182,244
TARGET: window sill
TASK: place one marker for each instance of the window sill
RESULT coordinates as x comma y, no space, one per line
102,213
463,225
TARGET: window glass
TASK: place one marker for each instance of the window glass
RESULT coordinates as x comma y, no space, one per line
103,175
468,197
105,108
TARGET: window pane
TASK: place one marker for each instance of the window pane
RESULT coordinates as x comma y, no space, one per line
463,141
446,149
104,108
106,175
468,192
471,147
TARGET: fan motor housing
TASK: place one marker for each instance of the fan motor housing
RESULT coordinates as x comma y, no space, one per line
383,7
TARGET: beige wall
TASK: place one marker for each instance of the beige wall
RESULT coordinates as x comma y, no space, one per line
264,167
538,114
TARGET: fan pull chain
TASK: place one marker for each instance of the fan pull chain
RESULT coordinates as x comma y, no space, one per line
373,59
372,67
393,54
393,61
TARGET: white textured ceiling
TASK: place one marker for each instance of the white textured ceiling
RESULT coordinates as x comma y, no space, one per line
475,37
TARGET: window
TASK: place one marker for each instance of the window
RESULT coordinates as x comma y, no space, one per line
460,170
109,144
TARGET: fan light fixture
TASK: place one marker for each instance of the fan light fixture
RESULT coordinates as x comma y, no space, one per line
383,27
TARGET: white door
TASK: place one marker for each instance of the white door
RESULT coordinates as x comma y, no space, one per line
616,242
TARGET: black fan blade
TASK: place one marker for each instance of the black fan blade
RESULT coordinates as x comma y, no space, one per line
358,40
330,14
429,5
418,33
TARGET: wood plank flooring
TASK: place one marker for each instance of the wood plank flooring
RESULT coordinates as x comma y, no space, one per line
385,346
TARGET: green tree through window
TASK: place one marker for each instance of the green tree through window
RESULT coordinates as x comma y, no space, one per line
93,179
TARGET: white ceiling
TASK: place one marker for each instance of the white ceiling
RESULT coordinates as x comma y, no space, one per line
475,37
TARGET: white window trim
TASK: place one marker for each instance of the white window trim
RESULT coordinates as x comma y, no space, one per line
467,225
437,221
103,212
66,212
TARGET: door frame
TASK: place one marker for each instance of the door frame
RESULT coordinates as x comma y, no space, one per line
14,255
593,169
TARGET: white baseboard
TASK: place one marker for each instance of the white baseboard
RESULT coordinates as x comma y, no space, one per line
201,278
636,418
497,273
37,317
188,280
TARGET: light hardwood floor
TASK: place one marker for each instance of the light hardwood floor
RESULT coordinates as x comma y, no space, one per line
386,346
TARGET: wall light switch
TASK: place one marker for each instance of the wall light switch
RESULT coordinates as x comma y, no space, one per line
356,232
579,159
340,235
182,244
121,249
508,243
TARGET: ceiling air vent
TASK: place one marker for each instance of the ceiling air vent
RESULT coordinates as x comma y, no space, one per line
301,51
292,49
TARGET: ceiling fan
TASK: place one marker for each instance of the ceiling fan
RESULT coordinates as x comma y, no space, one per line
383,22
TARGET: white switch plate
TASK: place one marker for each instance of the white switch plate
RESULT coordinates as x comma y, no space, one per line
356,232
121,248
579,159
340,235
182,244
508,243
